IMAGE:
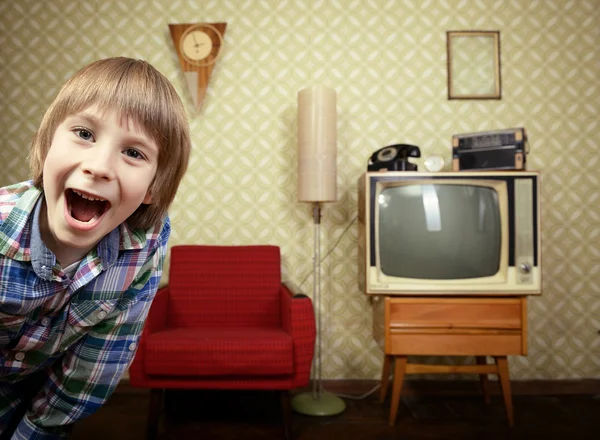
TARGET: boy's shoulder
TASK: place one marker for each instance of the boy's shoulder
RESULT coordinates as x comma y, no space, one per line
140,239
16,190
11,194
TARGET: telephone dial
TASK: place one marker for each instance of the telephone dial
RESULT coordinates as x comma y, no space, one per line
394,158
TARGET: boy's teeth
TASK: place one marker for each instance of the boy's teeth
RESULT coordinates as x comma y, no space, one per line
87,197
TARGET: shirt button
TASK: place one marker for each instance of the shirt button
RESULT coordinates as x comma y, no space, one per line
20,356
132,346
46,322
101,315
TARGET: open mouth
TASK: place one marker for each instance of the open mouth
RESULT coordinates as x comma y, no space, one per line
85,208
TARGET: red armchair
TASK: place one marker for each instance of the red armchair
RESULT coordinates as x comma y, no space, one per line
225,321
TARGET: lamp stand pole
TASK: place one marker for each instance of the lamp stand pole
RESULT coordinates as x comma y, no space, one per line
319,402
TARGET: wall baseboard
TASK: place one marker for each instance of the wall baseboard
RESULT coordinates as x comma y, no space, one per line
423,387
436,387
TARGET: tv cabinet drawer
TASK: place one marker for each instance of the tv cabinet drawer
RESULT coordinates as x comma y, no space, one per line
456,313
455,326
455,344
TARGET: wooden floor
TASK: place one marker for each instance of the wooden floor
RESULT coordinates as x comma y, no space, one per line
252,415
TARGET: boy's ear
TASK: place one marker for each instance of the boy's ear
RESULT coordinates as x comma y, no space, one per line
148,198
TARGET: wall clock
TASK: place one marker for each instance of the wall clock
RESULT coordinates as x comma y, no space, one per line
198,46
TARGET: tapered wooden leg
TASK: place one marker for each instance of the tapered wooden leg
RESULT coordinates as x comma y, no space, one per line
385,377
156,396
504,377
483,379
286,410
399,370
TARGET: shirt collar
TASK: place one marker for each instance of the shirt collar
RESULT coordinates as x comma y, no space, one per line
14,229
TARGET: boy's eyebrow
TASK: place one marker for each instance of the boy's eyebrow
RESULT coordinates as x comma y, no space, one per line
84,115
135,133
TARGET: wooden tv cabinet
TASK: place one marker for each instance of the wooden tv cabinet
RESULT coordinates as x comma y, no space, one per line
452,326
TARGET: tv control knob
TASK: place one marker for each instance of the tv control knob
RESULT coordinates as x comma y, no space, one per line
525,267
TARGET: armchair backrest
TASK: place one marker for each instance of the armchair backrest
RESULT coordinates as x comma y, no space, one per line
235,286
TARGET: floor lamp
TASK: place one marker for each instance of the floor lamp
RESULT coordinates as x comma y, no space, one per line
317,151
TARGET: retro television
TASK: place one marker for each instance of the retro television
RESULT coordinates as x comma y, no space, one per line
450,233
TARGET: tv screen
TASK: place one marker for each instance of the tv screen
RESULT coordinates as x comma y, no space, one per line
439,231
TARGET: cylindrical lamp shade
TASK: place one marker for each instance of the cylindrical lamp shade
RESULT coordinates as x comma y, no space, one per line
317,149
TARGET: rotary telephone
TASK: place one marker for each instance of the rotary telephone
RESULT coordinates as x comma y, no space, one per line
394,158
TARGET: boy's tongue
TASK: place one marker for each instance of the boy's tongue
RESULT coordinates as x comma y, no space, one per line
84,210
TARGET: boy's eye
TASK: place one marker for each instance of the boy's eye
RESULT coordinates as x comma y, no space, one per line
84,134
133,153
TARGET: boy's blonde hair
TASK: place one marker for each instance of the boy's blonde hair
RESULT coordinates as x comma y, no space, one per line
136,90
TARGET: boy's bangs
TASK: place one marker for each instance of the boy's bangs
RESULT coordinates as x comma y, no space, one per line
131,99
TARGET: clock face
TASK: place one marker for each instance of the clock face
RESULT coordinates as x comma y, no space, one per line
434,164
200,44
196,45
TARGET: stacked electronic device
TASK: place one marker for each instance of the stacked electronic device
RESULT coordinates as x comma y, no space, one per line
495,150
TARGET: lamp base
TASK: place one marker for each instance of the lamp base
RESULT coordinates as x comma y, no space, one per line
324,404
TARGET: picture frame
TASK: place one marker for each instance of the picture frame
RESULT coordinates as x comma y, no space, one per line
474,65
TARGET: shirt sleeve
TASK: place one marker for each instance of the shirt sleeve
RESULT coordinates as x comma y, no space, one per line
89,371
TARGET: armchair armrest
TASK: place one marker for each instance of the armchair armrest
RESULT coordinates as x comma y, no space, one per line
298,319
156,321
157,317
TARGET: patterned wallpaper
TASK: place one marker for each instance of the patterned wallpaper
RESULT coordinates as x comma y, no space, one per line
387,61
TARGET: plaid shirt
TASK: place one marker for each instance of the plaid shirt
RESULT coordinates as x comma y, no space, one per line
81,333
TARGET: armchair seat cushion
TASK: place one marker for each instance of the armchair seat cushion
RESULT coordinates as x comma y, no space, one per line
220,351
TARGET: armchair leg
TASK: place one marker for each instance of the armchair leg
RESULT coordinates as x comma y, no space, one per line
156,395
286,409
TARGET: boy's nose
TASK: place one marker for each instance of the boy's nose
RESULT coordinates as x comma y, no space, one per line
99,164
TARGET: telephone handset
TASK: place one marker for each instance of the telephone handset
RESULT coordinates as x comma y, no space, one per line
394,158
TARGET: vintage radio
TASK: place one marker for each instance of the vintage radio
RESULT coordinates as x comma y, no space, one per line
493,150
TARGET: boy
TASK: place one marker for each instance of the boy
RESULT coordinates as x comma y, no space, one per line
82,245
